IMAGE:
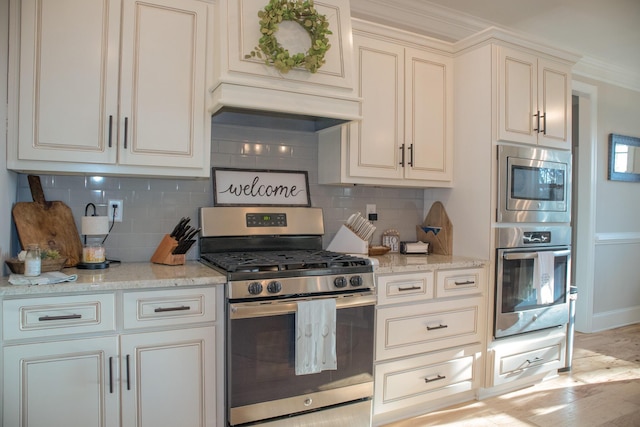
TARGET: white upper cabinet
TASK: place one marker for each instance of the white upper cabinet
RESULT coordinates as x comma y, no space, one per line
534,99
111,87
405,137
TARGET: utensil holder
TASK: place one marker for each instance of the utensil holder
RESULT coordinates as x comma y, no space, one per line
163,254
348,242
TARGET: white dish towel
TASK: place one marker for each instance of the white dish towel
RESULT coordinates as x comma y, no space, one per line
316,336
543,275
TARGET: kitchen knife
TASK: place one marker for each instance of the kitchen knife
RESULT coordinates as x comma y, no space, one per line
180,226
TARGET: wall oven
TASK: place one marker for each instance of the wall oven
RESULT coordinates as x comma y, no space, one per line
532,279
534,185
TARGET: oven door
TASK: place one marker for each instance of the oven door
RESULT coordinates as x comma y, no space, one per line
262,382
530,296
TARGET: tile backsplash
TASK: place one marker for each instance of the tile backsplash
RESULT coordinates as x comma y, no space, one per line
152,206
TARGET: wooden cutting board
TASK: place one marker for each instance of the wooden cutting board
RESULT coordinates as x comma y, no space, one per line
441,243
49,224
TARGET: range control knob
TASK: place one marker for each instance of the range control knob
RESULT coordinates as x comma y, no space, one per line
340,282
274,287
255,288
355,281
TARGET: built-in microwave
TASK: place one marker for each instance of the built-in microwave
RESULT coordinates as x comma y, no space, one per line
534,185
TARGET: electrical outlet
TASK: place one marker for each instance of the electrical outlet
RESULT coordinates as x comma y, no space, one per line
371,213
115,210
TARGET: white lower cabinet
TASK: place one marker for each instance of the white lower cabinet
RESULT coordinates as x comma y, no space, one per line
430,329
62,383
168,378
525,357
416,380
159,372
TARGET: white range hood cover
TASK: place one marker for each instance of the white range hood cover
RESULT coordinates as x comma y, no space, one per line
250,85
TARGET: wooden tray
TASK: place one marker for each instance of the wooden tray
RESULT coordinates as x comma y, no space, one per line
17,267
378,250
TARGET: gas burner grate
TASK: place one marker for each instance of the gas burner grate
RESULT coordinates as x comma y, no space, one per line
297,260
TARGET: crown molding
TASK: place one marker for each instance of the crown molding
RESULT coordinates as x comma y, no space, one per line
462,29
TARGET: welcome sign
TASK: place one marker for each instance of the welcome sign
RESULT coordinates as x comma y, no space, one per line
257,187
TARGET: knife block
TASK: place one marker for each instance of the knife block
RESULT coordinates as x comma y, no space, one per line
163,254
348,242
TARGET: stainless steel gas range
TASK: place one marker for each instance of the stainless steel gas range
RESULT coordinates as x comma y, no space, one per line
299,319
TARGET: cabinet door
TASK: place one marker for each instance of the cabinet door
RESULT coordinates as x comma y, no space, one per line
517,96
554,99
375,142
428,135
163,121
67,383
168,378
68,79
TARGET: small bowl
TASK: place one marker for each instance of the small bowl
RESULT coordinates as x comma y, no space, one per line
378,250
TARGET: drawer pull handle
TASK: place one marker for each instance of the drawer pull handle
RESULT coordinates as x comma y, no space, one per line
535,360
433,328
466,282
410,288
65,317
165,309
128,377
111,375
437,378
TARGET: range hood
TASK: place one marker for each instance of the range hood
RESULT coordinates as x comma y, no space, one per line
249,89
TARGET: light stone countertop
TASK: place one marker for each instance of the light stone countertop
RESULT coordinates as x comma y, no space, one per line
148,275
399,263
123,276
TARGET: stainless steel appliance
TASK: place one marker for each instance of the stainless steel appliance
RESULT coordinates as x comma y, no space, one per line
273,260
534,185
532,278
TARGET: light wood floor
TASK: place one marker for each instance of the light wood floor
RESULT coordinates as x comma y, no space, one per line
602,389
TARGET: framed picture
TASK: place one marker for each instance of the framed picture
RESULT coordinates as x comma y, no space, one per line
259,187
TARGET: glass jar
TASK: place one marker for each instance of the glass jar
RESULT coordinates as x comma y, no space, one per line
32,261
93,253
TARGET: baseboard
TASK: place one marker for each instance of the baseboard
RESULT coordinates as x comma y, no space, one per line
615,318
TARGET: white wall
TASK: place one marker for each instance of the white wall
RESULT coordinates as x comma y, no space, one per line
616,272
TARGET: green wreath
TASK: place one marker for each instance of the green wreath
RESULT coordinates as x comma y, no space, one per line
302,12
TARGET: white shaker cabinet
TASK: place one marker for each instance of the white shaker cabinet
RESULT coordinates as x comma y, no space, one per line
405,136
62,383
110,86
534,99
430,330
75,361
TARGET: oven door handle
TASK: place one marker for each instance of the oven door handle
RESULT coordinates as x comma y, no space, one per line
532,255
249,310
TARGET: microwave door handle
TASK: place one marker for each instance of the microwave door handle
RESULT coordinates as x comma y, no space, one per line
533,255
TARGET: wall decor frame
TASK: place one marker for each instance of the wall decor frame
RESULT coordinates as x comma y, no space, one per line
260,187
624,158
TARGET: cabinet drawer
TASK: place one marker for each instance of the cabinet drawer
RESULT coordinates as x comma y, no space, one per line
417,380
64,315
514,359
399,288
169,307
450,283
402,331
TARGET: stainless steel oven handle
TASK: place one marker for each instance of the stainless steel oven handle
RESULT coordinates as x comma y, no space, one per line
246,310
532,255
